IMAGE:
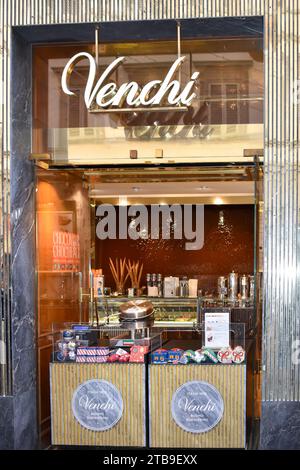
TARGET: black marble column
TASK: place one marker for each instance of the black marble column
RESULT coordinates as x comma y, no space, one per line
23,250
6,423
280,425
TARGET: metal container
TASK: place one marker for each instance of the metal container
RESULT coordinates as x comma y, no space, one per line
137,315
233,280
222,287
184,287
135,310
244,287
252,288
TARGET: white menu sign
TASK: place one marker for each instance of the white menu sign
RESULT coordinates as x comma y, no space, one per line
216,330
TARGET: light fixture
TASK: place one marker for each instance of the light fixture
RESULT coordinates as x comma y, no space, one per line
218,201
136,188
123,201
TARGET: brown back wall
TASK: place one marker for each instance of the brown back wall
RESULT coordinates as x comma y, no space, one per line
228,245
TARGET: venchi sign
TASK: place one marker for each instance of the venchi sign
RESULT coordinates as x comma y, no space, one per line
106,94
197,406
97,405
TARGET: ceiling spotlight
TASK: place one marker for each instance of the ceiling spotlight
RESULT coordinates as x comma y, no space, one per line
136,188
123,201
218,201
202,188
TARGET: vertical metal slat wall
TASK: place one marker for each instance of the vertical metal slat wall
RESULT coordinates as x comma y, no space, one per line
281,231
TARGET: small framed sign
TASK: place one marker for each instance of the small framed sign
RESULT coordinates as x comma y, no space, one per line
216,326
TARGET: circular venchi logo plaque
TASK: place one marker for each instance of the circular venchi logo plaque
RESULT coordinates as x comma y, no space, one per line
197,406
97,405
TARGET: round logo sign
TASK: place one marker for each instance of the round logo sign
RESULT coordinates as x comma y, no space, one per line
97,405
197,406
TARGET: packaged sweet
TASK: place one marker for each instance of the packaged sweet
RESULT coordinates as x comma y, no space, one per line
137,349
184,359
102,351
124,358
62,345
211,355
60,356
137,357
72,355
101,359
190,354
174,355
72,345
160,356
199,356
113,358
238,355
225,355
121,352
80,358
68,334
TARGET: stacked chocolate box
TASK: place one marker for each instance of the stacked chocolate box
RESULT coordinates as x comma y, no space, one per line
92,354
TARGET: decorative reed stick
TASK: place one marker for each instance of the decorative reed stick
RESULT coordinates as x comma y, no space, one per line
135,272
119,273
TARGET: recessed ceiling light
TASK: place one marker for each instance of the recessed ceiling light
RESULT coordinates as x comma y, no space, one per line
123,201
136,188
218,201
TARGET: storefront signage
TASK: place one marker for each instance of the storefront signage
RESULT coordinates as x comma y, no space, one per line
65,251
107,95
97,405
197,406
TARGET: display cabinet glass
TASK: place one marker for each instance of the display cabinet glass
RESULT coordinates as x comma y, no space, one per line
167,311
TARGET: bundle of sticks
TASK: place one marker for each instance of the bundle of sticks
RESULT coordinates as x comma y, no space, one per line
135,271
119,272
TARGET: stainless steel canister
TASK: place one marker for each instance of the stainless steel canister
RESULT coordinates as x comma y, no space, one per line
233,280
244,287
184,287
222,287
252,288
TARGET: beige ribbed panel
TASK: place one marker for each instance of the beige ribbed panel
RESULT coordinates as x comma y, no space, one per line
230,380
129,380
281,280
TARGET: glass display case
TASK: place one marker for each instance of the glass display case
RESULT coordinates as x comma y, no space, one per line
177,311
81,342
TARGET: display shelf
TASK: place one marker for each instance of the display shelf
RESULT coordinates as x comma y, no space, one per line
166,310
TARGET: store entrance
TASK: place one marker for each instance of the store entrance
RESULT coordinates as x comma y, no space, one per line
143,228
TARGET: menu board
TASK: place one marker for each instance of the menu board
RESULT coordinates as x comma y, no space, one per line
216,329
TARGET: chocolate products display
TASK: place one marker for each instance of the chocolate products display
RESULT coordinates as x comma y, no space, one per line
200,356
70,349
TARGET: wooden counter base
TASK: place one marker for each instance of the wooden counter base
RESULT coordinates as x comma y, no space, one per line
129,380
230,380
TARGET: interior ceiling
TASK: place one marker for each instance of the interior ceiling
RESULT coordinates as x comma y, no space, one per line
187,188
